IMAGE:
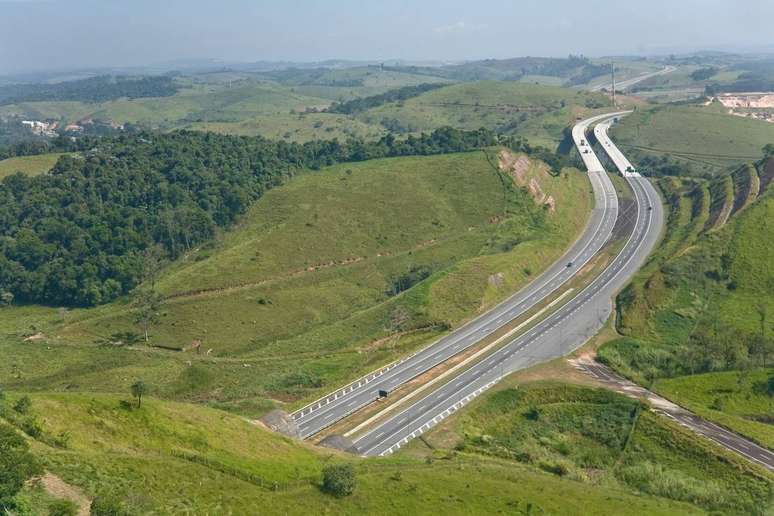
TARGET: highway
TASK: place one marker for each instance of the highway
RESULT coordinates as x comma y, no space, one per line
561,332
333,407
628,83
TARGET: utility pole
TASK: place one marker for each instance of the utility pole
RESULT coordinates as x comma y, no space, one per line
612,74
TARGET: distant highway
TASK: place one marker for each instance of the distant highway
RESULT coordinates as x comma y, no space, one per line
333,407
564,330
628,83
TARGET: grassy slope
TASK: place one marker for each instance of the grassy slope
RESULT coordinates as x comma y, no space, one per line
289,332
455,105
718,139
678,293
32,165
138,455
588,435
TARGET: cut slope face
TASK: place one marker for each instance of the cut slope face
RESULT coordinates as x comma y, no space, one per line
699,315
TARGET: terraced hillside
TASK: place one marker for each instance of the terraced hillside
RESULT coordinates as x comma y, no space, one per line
331,275
698,318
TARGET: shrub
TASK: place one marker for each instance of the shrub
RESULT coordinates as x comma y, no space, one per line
63,508
339,479
108,505
22,405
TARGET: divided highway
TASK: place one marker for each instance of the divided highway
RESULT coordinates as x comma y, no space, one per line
556,335
333,407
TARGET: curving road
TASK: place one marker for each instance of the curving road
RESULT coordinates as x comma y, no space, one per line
333,407
564,330
628,83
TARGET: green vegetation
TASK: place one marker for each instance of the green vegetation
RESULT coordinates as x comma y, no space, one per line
339,479
296,298
695,140
95,89
597,437
172,190
397,95
698,317
30,165
539,113
169,457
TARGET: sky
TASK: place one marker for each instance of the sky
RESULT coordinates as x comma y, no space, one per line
73,34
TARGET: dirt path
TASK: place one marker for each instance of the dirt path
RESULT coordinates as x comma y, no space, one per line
58,488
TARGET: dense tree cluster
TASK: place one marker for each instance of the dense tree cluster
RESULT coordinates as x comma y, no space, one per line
702,74
399,94
94,89
78,235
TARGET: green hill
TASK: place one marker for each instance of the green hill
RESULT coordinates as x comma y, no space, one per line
539,112
171,458
326,277
698,318
692,139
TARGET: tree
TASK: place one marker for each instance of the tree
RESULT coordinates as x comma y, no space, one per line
768,150
770,386
138,389
339,479
17,465
147,309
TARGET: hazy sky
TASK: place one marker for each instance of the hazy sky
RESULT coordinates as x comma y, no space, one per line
53,34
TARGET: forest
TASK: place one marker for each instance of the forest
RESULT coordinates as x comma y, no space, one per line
399,94
79,235
93,89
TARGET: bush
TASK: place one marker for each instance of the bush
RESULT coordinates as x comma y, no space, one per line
339,479
22,405
108,505
16,464
63,508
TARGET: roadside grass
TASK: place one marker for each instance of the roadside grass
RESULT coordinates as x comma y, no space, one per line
735,399
601,438
169,457
30,165
297,299
705,139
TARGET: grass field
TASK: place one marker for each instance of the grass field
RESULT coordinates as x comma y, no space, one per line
299,297
30,165
540,112
171,458
299,127
598,438
704,139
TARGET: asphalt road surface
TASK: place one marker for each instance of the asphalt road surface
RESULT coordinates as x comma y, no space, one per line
335,406
628,83
689,420
561,332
